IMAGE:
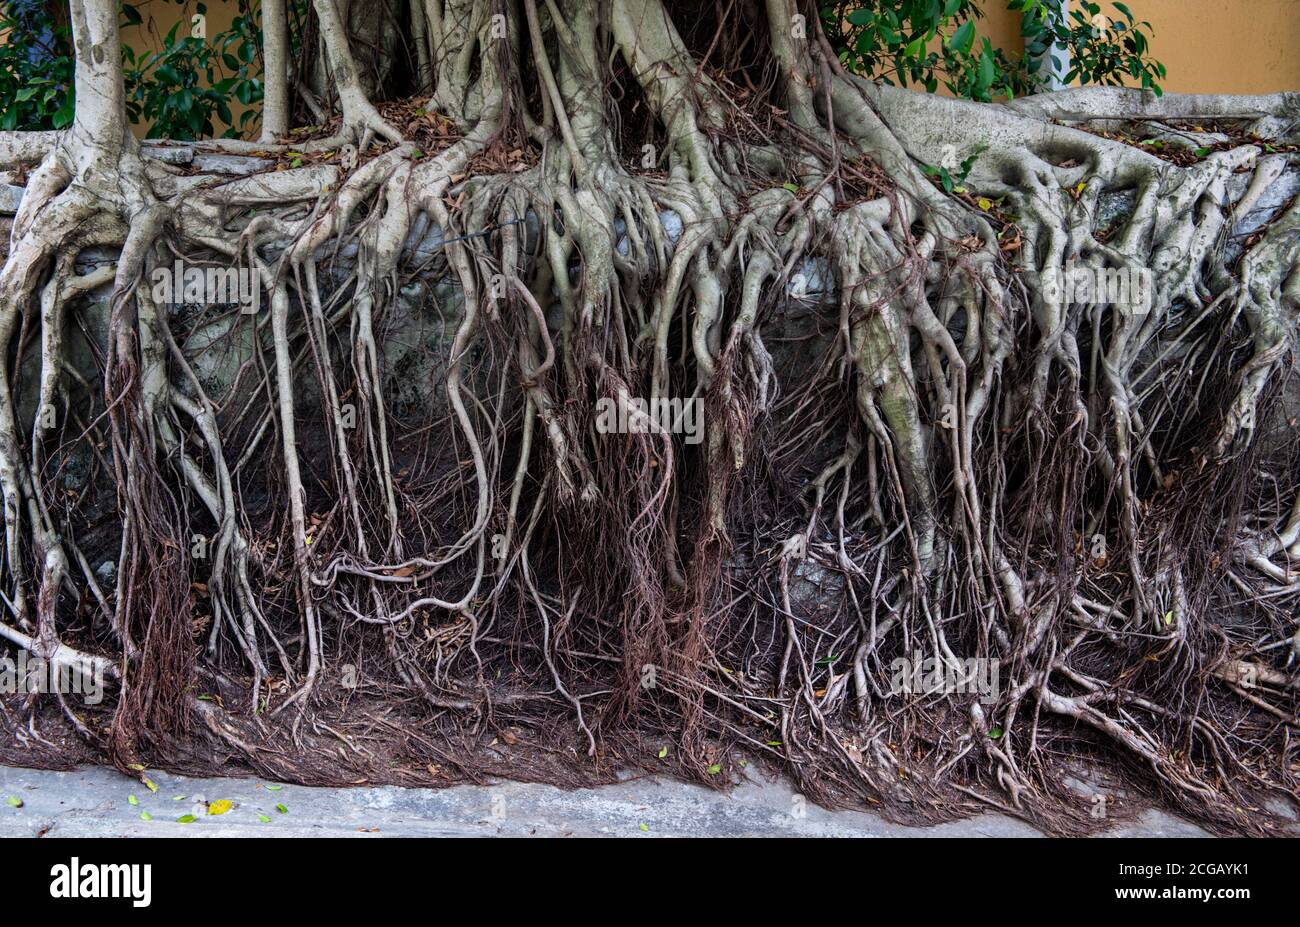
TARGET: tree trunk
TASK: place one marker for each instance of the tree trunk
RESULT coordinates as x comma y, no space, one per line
275,52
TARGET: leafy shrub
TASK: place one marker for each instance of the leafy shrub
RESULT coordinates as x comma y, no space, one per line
181,90
895,41
36,68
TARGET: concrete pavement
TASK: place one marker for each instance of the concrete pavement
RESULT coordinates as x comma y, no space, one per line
94,802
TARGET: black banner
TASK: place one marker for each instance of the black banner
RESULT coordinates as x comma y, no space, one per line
140,878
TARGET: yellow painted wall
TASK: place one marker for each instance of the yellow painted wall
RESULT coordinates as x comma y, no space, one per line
1226,46
160,15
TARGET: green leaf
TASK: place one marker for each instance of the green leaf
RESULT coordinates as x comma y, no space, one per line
264,819
132,800
714,769
282,809
995,733
14,802
963,37
275,788
63,116
645,827
663,752
792,187
185,819
986,71
146,816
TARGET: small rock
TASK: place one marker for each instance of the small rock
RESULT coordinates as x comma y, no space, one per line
10,197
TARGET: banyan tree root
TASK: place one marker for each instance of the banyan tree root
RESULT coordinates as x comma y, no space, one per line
948,524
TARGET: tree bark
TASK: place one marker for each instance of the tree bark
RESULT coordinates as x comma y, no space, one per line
275,54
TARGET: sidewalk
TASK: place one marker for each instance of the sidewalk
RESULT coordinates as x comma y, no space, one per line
94,802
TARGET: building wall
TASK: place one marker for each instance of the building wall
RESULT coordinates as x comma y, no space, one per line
1226,46
159,17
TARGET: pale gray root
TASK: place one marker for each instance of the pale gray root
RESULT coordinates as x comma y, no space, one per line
275,57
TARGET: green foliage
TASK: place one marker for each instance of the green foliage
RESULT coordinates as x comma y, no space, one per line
181,90
952,182
184,87
1097,56
36,68
933,43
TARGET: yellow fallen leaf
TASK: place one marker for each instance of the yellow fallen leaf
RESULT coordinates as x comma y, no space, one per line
220,806
984,203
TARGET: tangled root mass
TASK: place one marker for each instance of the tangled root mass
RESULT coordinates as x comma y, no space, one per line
958,526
